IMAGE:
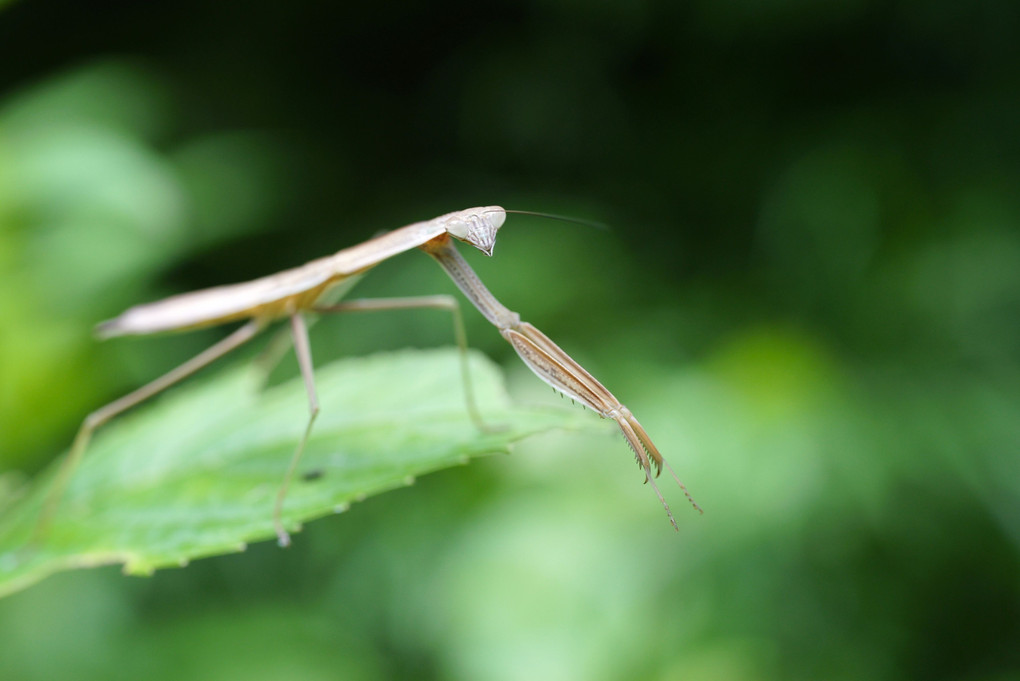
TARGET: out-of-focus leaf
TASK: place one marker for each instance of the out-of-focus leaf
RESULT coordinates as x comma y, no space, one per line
196,474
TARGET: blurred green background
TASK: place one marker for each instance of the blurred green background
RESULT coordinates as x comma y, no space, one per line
809,296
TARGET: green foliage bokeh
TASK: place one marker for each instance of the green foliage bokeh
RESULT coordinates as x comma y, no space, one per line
809,297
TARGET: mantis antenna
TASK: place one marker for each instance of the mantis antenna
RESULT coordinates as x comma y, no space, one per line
562,218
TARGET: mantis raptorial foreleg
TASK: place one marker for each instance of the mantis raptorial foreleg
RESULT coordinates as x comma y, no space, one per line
550,363
107,412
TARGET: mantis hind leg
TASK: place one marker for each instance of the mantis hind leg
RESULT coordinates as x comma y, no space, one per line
105,413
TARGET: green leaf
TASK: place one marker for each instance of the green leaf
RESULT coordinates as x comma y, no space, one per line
196,472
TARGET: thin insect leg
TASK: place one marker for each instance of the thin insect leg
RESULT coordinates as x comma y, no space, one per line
104,414
304,355
270,357
438,302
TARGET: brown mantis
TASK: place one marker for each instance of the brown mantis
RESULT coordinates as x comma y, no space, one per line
314,288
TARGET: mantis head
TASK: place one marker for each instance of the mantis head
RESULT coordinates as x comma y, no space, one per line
476,226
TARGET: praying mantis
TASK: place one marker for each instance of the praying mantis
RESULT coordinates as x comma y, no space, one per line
314,288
